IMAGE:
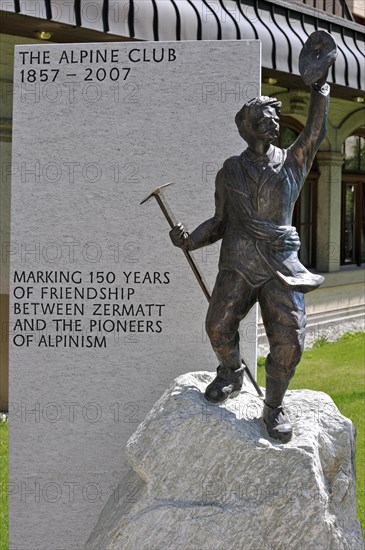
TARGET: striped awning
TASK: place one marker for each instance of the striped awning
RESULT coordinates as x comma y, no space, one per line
282,26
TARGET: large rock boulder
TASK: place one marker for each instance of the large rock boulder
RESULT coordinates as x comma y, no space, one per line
208,477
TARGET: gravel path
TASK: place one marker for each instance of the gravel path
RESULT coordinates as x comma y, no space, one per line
331,332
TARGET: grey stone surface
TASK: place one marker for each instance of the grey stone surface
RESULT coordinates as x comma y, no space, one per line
208,477
87,148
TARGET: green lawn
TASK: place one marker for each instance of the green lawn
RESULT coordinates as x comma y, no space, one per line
338,369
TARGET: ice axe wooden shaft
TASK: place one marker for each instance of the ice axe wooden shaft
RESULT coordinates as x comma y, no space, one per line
157,195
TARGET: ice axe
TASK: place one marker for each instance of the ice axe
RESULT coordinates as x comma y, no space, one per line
165,209
157,194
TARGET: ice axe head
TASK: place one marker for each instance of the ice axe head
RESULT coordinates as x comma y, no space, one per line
156,192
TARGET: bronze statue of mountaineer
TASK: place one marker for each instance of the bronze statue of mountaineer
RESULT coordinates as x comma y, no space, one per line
255,195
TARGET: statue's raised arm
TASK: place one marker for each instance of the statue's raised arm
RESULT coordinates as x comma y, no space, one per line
317,56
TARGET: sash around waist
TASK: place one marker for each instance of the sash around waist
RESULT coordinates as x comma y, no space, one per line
258,261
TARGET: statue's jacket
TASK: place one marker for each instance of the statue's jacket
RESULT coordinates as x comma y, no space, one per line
255,198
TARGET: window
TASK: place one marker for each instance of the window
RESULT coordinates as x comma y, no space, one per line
353,201
354,149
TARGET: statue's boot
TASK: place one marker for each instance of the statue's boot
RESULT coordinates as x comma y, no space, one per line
227,382
277,423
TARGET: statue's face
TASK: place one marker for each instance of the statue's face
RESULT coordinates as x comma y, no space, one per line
265,127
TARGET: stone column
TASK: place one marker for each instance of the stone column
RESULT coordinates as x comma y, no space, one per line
329,211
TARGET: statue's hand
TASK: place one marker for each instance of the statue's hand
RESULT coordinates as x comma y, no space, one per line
289,240
179,236
321,81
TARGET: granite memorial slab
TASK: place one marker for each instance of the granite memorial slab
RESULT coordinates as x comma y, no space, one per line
105,312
